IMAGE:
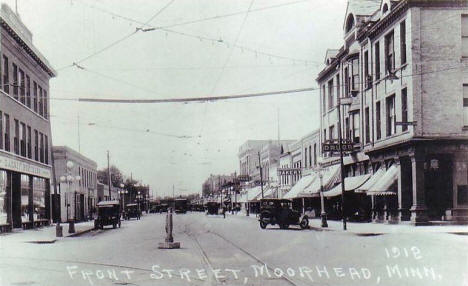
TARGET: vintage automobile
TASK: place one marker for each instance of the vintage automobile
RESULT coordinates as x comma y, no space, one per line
132,211
279,211
108,213
181,205
212,208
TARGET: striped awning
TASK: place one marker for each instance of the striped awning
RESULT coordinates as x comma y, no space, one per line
351,184
299,187
330,177
373,179
387,184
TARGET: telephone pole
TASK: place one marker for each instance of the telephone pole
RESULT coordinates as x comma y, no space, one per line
261,177
109,175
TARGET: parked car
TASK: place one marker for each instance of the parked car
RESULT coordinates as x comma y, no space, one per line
108,213
181,205
279,211
132,211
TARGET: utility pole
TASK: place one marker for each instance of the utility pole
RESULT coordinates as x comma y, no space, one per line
261,177
109,175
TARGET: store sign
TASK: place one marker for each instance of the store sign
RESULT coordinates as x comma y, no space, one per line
21,166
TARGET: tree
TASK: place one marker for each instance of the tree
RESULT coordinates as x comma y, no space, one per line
116,176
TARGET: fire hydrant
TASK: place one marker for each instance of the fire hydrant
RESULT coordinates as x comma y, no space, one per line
169,240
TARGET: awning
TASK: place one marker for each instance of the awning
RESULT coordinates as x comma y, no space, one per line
372,181
351,183
330,177
299,187
242,198
254,194
269,193
387,184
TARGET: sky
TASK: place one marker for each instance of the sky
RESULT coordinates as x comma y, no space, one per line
278,45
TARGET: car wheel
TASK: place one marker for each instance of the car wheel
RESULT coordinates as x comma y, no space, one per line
304,223
263,224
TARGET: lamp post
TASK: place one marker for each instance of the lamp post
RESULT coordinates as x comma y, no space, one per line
323,214
122,193
69,179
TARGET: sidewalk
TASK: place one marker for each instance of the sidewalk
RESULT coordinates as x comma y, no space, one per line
369,228
45,234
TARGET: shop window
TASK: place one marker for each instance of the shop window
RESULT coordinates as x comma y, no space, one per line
25,189
39,195
4,207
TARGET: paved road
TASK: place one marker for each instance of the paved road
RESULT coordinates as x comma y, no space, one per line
235,251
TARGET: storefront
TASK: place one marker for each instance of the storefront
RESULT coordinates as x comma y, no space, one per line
24,193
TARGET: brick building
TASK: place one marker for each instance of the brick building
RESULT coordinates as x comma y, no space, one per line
79,197
25,140
401,78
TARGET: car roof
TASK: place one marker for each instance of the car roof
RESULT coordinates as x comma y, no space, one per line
108,203
131,205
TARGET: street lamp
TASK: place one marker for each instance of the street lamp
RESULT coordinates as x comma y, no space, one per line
69,179
319,170
122,195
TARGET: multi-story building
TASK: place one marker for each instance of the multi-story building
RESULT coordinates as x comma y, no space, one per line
78,196
25,136
214,184
401,79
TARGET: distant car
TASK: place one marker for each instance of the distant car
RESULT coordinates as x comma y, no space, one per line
163,208
280,212
108,213
181,205
132,211
212,208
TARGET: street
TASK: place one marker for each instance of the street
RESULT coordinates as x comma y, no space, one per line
234,251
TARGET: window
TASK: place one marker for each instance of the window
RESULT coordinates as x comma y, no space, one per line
15,81
310,156
35,96
377,61
6,76
331,131
367,122
324,102
23,139
36,145
355,74
16,138
41,111
378,121
404,108
324,135
46,149
45,104
338,85
347,130
330,95
22,87
390,105
7,132
403,42
356,129
465,105
389,53
28,91
41,148
367,78
29,143
1,130
464,35
315,154
305,157
346,82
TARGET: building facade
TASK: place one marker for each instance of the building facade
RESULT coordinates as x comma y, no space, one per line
25,136
78,196
402,83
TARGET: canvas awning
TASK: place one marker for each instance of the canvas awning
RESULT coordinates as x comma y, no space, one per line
351,184
254,194
330,177
269,193
373,179
387,185
299,187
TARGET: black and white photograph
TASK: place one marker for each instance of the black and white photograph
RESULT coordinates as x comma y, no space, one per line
233,142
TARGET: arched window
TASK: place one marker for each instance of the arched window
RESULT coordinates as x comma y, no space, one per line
349,23
385,8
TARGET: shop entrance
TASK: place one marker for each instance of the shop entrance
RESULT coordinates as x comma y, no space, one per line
438,185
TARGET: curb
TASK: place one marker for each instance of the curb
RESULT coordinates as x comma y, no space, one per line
78,233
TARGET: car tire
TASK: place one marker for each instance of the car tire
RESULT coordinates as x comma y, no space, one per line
304,223
263,224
